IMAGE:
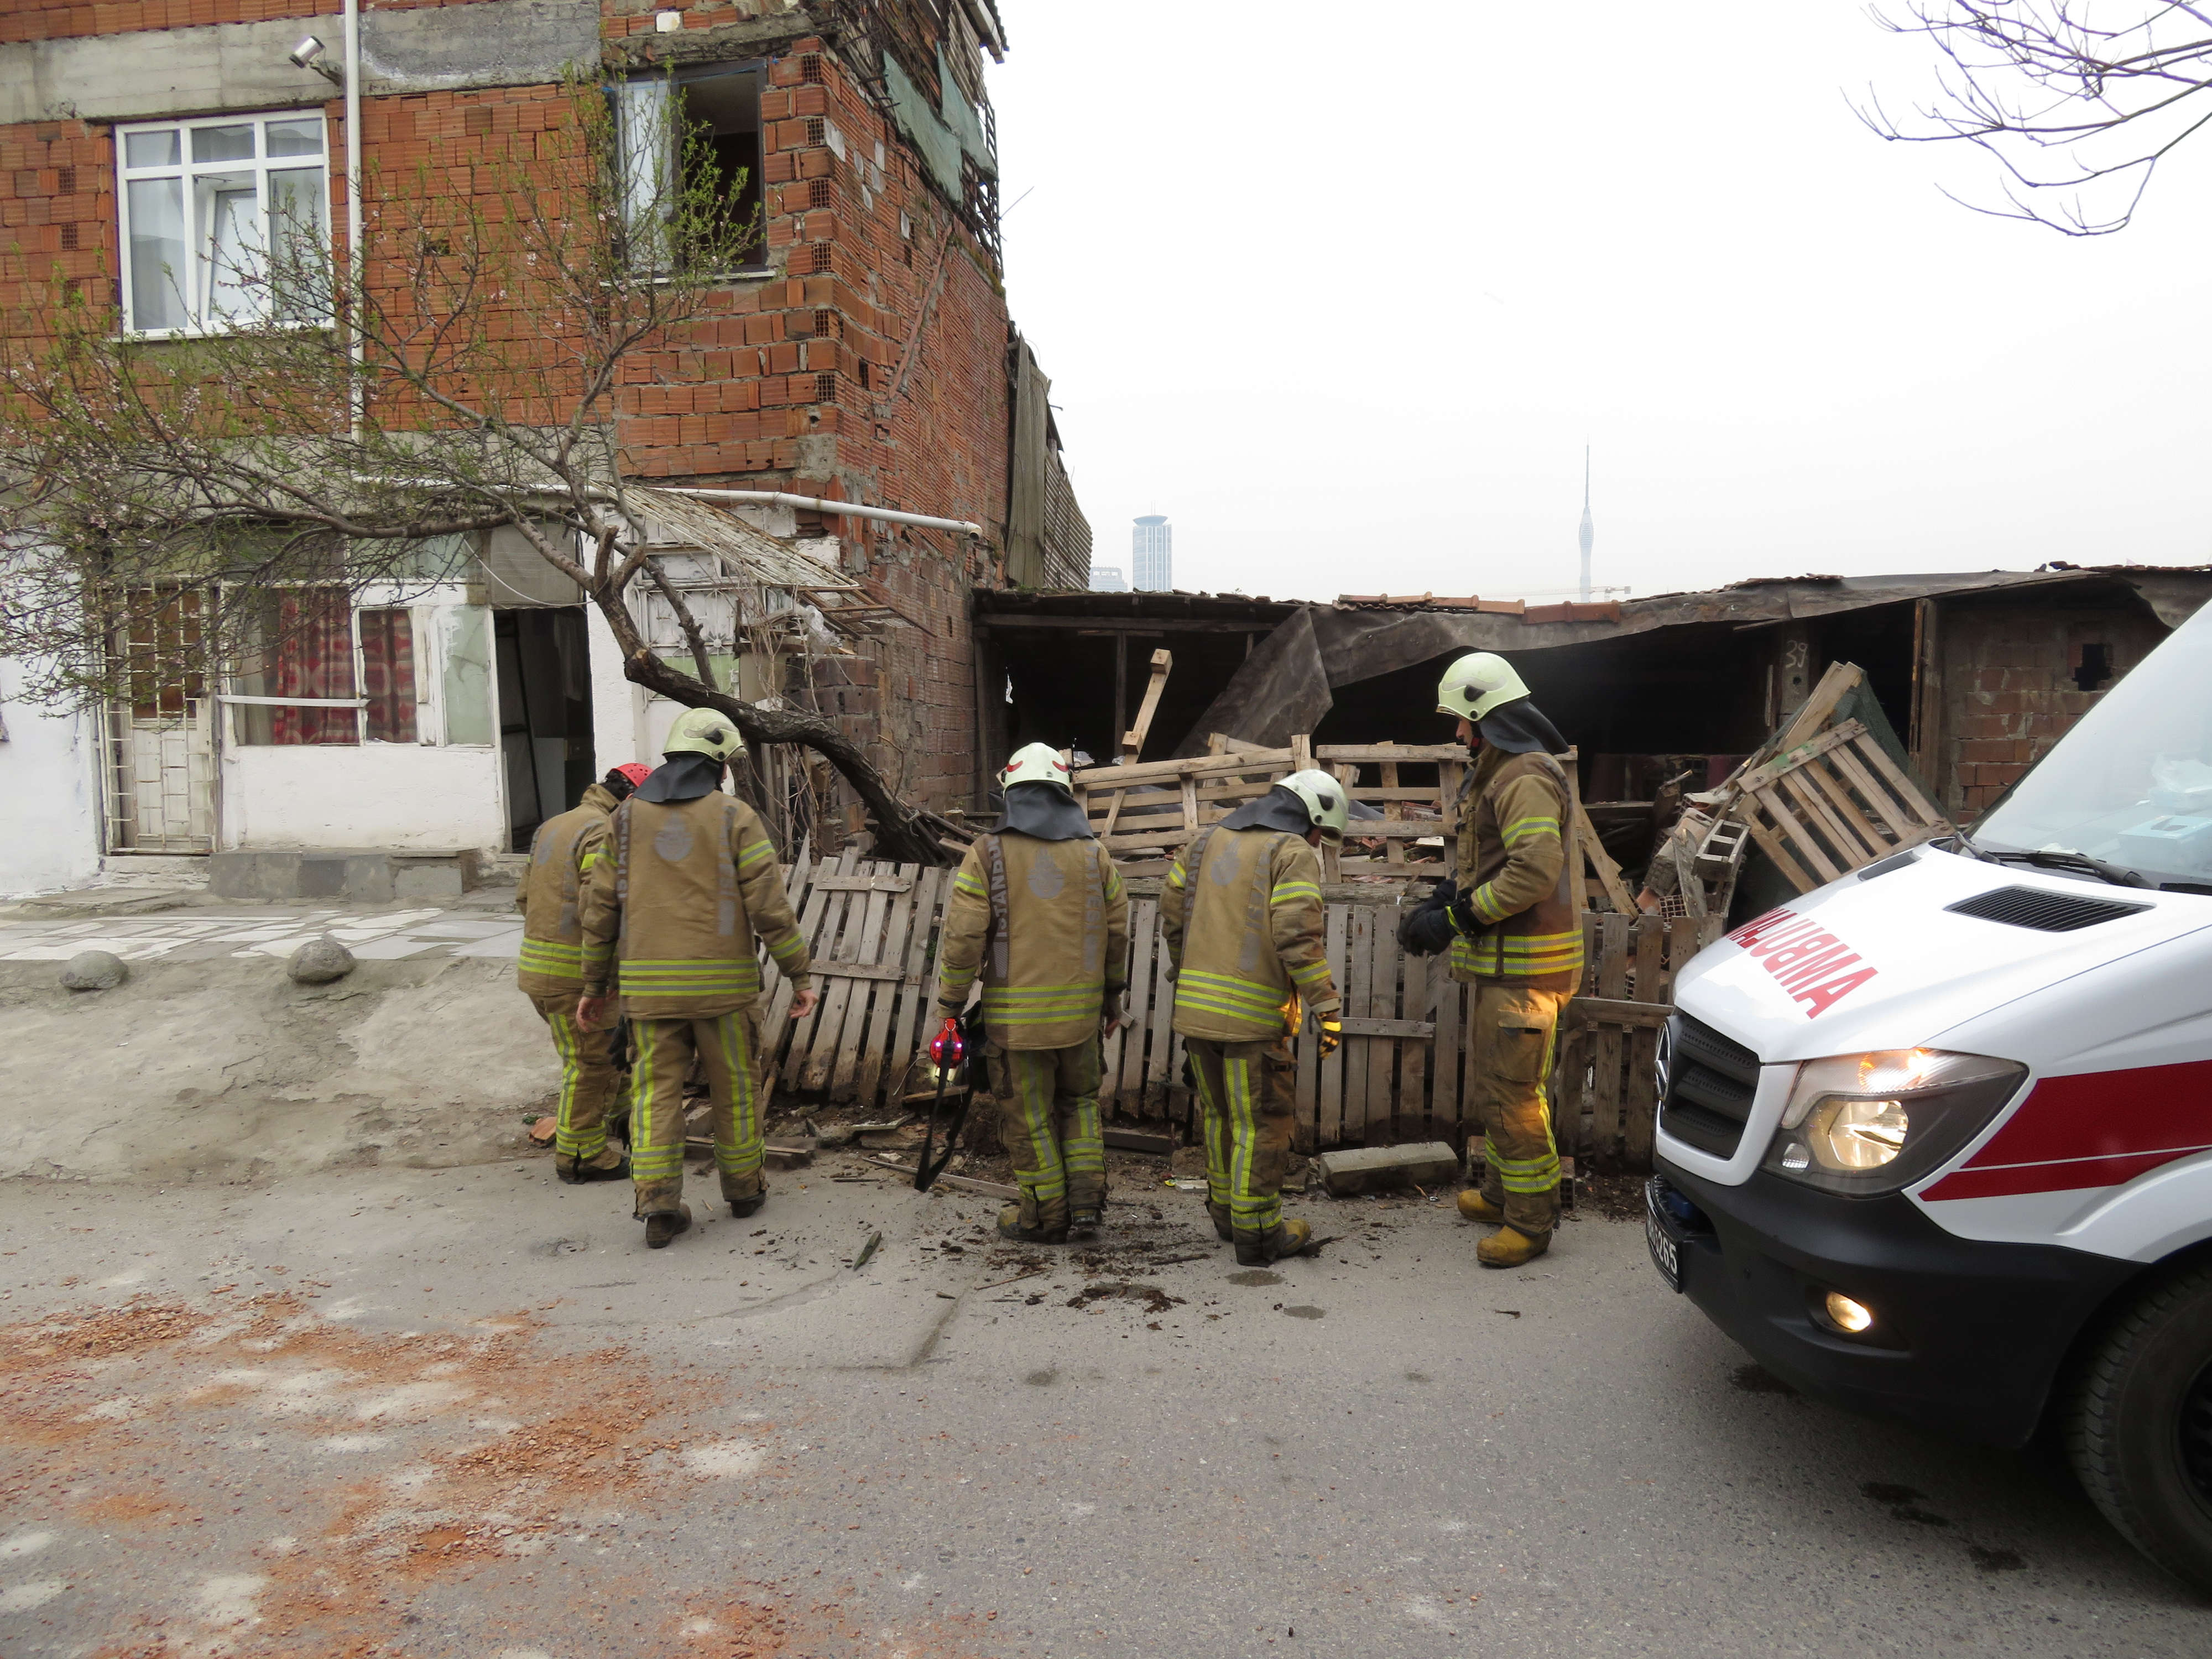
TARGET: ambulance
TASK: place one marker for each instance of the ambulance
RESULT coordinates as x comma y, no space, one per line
1935,1140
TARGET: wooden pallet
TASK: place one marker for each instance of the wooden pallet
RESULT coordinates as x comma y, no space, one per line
1833,805
1605,1093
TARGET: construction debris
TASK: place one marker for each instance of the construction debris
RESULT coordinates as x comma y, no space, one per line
95,971
1158,1142
1373,1169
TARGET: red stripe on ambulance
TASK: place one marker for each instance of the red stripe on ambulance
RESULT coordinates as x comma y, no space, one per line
1809,962
2095,1129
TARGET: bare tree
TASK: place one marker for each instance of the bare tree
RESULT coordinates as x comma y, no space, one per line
2078,100
337,434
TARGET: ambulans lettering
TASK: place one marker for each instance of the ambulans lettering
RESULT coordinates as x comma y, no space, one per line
1806,960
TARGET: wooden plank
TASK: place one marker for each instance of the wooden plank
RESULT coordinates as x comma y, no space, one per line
1171,773
881,957
1329,1112
1604,1010
1607,1103
1771,844
1382,1009
864,914
875,1047
1903,788
1640,1100
1601,862
1160,1075
1145,946
1190,819
1814,807
1360,958
1900,826
1684,939
1790,760
1377,1026
806,907
1839,796
1133,740
845,968
1834,685
1328,752
1414,1056
841,884
825,943
1785,824
1444,1007
915,1019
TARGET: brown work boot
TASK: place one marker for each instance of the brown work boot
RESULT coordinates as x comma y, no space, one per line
1011,1230
745,1194
1288,1238
1220,1214
1474,1207
1509,1247
1085,1223
662,1226
574,1171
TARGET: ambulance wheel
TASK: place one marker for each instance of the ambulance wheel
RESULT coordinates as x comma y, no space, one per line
2141,1437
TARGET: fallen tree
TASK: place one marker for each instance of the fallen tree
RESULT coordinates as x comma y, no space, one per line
344,414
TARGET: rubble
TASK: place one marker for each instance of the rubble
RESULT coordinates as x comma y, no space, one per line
1370,1169
319,961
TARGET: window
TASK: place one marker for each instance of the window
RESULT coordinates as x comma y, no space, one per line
224,220
718,105
387,675
314,649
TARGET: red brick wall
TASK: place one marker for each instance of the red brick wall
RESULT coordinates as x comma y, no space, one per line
788,385
2009,691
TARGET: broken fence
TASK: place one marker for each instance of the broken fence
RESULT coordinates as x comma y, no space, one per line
1402,1073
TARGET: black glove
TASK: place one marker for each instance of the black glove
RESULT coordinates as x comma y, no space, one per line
1464,916
1426,930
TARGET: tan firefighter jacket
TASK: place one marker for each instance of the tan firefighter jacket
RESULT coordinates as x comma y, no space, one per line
674,904
1513,864
1047,925
1242,911
550,894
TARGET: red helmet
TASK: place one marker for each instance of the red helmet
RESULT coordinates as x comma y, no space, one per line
635,773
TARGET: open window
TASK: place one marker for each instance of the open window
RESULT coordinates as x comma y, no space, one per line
224,222
697,129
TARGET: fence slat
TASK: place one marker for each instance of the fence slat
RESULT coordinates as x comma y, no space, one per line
865,1081
1144,1011
1383,1102
914,1023
1161,1069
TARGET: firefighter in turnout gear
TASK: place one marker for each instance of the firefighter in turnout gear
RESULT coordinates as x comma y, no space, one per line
1241,912
551,974
686,883
1038,911
1513,934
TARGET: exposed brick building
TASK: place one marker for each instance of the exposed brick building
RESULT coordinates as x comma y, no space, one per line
865,353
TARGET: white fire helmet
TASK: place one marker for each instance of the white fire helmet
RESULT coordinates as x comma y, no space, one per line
1476,683
1037,763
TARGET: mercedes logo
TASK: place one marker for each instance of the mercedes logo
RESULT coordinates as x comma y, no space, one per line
1662,1065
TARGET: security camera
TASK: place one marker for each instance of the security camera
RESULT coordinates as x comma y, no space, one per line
304,54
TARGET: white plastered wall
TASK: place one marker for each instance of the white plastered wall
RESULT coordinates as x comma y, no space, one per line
49,793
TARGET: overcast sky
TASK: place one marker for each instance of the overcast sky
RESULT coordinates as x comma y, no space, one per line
1342,290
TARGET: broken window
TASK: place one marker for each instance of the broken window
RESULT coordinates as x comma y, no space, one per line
690,141
224,221
2094,667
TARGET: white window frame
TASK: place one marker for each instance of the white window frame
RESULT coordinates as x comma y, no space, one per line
194,276
643,176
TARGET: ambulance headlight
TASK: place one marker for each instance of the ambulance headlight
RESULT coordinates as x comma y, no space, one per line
1875,1122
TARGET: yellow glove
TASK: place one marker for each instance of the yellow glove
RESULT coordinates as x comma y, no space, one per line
1331,1034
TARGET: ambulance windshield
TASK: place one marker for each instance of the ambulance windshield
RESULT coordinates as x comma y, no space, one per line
2131,784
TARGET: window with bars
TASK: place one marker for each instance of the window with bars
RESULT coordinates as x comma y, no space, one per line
223,221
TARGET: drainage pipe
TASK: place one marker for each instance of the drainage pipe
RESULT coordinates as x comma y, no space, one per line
820,504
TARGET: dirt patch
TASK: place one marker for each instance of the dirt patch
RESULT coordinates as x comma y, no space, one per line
1155,1299
257,1480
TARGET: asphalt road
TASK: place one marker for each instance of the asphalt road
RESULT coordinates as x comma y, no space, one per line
465,1413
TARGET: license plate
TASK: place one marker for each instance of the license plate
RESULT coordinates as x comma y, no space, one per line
1666,1253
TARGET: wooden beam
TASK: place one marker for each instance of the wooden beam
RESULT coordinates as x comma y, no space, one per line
1133,740
1114,625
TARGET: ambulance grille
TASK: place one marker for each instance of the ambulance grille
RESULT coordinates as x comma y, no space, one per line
2046,911
1710,1080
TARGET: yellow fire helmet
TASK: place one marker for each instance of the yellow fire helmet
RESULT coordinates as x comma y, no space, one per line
1324,800
1037,763
1476,683
706,732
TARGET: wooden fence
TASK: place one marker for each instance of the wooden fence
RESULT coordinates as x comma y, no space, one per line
1401,1074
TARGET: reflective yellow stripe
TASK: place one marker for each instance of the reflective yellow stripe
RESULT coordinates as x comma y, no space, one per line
1295,890
970,884
709,978
1535,824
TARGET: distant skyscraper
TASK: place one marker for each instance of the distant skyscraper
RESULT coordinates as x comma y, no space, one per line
1107,579
1589,532
1151,563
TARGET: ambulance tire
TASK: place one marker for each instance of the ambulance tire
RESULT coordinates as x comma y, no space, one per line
2140,1436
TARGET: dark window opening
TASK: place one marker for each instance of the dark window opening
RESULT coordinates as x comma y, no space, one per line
544,714
728,106
700,131
2095,667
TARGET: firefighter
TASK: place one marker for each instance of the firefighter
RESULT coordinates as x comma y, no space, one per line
551,974
686,883
1038,911
1509,923
1242,911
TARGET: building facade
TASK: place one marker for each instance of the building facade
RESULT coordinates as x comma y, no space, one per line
864,354
1151,555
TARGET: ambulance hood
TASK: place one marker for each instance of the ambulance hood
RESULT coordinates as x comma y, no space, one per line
1883,959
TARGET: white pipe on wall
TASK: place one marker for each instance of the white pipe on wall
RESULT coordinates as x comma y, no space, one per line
821,504
356,263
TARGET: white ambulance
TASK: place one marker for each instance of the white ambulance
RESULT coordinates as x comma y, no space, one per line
1935,1139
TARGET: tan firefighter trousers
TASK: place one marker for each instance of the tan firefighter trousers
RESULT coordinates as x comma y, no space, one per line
1511,1039
590,1084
